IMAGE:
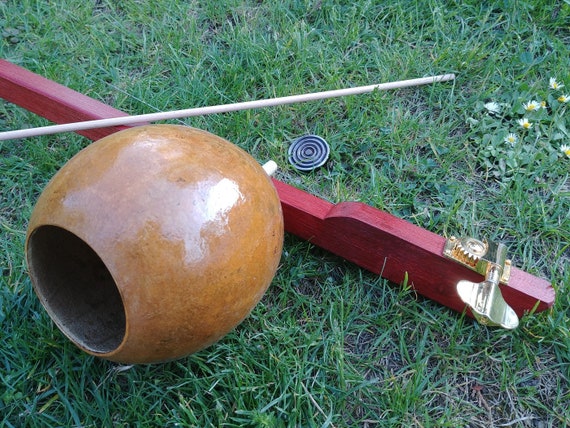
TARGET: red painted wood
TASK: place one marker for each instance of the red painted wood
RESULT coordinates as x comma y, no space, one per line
52,100
392,247
371,238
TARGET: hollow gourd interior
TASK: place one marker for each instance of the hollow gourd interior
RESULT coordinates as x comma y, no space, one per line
76,288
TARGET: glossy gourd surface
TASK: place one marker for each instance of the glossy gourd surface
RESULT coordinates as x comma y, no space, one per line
154,242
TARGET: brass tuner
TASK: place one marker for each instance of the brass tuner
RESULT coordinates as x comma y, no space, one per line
484,298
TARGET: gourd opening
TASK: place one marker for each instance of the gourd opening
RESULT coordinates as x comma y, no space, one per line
76,288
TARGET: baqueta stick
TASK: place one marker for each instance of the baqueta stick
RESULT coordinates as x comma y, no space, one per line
223,108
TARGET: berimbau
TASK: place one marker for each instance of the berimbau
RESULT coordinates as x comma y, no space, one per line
156,240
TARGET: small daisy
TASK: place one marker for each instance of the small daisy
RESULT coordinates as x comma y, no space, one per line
493,107
511,139
525,123
565,149
543,104
531,105
554,84
564,98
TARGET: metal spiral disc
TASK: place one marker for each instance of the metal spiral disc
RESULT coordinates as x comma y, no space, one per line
308,152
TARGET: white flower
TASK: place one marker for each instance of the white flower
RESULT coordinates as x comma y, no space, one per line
511,139
525,123
532,105
564,98
554,84
565,149
493,107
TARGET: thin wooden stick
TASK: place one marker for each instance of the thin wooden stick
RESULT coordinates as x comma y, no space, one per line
224,108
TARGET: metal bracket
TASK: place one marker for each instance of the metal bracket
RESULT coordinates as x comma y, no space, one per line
484,298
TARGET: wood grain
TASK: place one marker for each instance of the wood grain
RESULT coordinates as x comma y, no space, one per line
53,101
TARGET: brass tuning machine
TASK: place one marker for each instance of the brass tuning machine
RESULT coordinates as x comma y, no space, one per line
484,298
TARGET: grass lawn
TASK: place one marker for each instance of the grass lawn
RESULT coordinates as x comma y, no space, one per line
329,344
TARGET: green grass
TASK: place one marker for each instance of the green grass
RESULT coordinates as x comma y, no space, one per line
329,344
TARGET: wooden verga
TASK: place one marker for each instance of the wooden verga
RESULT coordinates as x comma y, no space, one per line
370,238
